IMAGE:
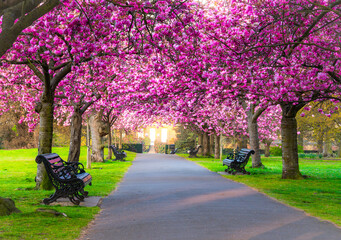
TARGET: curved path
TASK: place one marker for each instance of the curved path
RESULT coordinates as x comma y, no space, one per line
167,197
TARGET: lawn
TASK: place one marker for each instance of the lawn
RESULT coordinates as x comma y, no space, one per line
319,195
17,172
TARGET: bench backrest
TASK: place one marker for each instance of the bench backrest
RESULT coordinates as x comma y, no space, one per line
118,153
114,149
243,155
195,150
54,166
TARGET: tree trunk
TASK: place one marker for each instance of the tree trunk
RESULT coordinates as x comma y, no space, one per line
267,148
88,145
206,145
217,147
290,168
300,139
45,110
212,148
242,143
252,126
201,143
98,130
327,149
10,33
320,144
76,135
109,141
254,143
120,139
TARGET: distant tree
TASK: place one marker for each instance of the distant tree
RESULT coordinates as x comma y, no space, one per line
322,121
186,137
15,134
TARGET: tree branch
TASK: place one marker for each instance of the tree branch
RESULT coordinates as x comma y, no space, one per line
8,36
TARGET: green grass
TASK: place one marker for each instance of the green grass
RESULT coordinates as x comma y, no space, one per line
319,195
17,172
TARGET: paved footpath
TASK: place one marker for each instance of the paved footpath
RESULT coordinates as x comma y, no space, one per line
165,197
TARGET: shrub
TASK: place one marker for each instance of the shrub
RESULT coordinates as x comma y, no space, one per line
276,151
159,147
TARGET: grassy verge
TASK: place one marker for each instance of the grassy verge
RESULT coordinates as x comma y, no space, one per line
319,195
17,172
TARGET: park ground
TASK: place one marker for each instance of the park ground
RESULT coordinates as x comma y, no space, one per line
318,195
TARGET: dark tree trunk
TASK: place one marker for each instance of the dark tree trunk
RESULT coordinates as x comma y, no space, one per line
109,141
76,135
120,139
201,143
206,145
45,110
242,143
212,149
88,146
267,148
216,147
290,168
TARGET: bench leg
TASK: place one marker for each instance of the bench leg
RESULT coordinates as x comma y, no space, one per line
228,170
84,193
119,158
245,172
73,200
79,196
240,170
52,198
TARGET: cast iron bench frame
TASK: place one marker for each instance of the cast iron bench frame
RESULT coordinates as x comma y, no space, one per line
174,151
237,161
120,155
68,178
193,151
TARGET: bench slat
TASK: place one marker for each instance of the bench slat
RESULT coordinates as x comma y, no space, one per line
55,160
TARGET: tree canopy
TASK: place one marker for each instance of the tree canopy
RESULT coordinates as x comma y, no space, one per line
224,67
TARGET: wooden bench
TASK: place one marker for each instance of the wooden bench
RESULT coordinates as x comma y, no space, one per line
68,178
193,151
119,155
237,161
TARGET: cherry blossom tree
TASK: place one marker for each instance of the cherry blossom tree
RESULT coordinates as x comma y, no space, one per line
18,15
76,33
298,63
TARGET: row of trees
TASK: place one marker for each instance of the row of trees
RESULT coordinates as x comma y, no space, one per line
227,68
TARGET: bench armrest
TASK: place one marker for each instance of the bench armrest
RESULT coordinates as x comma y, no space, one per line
77,167
230,156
